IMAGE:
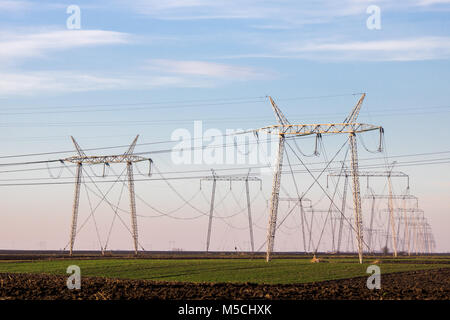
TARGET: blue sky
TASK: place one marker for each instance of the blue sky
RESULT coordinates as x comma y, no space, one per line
167,52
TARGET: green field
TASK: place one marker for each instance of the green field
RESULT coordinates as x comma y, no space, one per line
216,270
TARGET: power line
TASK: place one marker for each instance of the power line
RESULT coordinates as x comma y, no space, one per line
164,104
377,113
119,146
163,150
176,103
377,166
426,161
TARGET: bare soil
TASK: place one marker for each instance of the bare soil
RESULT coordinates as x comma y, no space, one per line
414,285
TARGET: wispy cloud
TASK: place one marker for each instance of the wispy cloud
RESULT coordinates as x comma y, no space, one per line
292,11
57,82
197,9
423,48
32,82
410,49
14,46
167,74
14,5
204,69
431,2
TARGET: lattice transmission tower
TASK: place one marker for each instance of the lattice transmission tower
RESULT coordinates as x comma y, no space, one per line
283,129
377,174
403,219
246,179
129,158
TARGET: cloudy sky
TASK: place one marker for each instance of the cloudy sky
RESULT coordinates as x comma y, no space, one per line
131,64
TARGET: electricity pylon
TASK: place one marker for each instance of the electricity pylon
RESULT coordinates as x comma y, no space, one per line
420,229
368,174
430,243
129,158
214,178
283,129
404,219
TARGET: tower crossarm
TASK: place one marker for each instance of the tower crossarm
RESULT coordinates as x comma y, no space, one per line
123,158
413,210
369,173
372,174
293,199
309,129
321,210
394,196
231,178
296,200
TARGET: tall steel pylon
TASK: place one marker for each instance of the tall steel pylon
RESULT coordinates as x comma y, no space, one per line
283,129
356,195
76,200
134,227
214,178
129,158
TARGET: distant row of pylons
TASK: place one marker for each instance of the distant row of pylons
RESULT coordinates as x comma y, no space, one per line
406,228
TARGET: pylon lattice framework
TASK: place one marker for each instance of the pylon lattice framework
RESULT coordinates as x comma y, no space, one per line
368,174
214,178
283,129
129,158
